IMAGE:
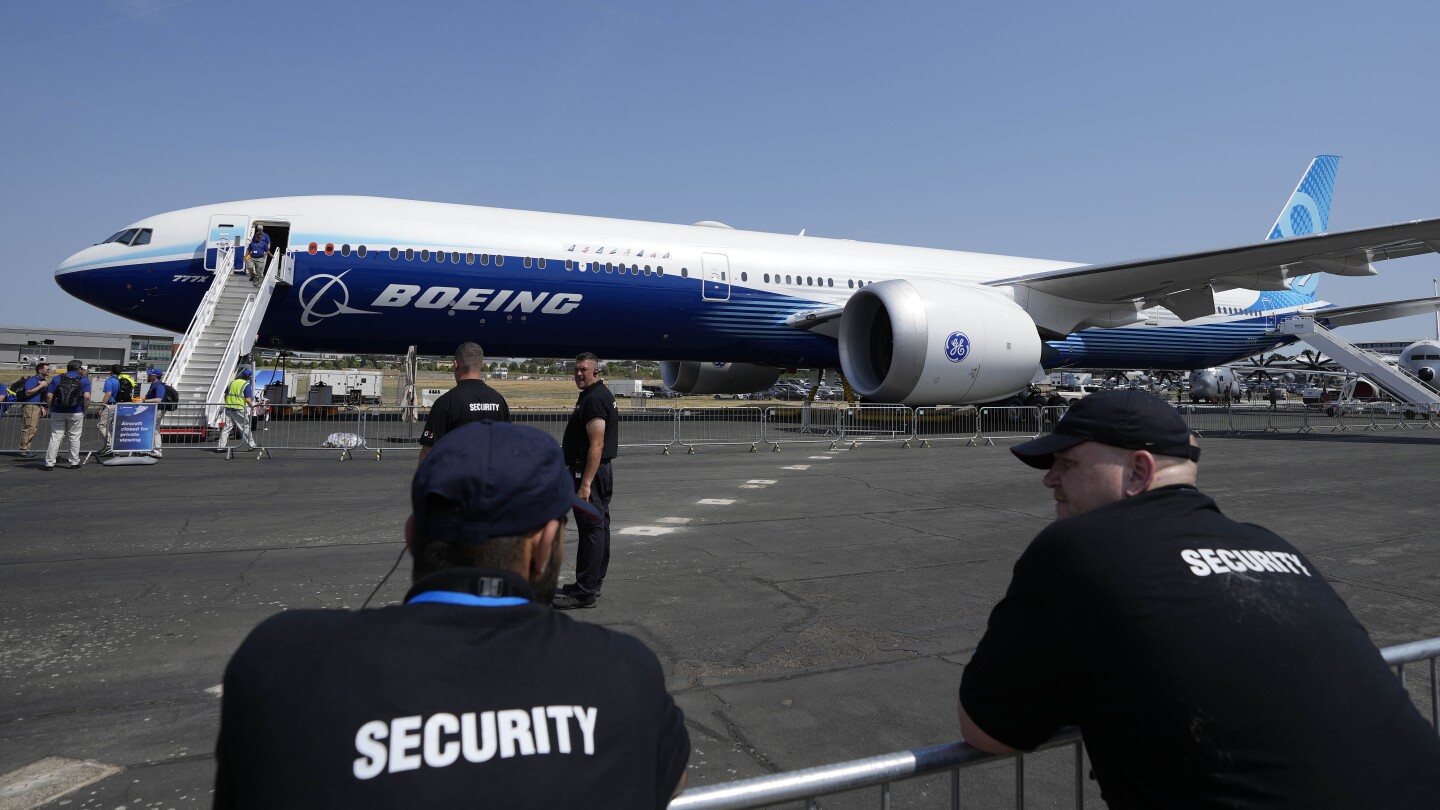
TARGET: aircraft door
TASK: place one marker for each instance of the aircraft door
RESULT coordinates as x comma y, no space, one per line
228,232
714,277
1267,310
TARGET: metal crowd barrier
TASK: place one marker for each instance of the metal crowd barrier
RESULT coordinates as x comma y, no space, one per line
709,427
1009,423
877,423
550,420
12,428
346,428
796,424
647,427
393,428
884,770
946,423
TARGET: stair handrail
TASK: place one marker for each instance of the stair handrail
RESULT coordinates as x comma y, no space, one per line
1381,367
241,339
205,313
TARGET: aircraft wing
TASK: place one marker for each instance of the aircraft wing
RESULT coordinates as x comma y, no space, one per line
1185,282
1384,311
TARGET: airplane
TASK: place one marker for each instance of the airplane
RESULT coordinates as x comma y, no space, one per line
727,310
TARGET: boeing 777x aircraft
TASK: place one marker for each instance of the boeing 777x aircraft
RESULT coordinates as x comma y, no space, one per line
728,309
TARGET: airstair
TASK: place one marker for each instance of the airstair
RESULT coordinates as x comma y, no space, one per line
222,331
1399,383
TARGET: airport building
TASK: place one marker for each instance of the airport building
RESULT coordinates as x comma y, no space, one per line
22,346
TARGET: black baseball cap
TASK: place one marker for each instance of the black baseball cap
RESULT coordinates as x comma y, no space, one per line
1128,419
491,479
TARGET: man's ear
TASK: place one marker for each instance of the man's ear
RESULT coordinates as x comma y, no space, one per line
542,546
1140,474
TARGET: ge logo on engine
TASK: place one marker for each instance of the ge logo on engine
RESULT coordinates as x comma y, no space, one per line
957,346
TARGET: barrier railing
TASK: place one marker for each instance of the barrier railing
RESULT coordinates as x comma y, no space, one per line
647,427
550,420
1008,424
346,428
810,424
946,423
877,423
395,429
12,423
1205,419
883,770
326,428
711,427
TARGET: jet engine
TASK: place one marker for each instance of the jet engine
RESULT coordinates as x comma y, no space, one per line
691,377
936,342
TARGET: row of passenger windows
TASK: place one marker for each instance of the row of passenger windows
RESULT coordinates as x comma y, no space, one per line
806,281
485,259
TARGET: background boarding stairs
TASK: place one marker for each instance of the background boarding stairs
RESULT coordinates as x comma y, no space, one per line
222,331
1398,382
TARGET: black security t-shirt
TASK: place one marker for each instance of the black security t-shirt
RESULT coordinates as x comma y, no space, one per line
595,402
1206,662
446,706
469,401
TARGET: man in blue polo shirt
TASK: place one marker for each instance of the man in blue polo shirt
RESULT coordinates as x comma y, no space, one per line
256,254
32,406
474,693
66,396
156,394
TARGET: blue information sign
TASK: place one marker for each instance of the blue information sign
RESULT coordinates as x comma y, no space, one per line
134,428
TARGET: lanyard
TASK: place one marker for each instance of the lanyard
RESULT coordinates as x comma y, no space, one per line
456,598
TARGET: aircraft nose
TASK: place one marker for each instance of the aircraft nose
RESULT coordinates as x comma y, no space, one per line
70,275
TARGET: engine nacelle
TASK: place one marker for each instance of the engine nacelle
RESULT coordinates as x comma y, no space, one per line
691,377
936,342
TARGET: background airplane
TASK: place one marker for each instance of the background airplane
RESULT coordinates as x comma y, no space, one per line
727,310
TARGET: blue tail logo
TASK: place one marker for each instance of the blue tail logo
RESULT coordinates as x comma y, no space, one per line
1307,212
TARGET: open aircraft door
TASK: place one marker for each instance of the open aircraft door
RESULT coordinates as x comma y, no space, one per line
1267,311
715,277
227,232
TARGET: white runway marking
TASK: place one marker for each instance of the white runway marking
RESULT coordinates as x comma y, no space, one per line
647,531
764,482
797,467
218,690
716,501
822,458
676,520
46,780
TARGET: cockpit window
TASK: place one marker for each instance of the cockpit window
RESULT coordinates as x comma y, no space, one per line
131,236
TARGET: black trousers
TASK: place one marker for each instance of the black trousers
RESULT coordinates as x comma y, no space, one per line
593,557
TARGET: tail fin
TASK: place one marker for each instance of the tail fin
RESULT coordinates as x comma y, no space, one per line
1308,211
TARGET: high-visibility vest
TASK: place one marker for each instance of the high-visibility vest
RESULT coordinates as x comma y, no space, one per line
235,394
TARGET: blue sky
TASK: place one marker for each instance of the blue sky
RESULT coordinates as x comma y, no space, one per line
1081,132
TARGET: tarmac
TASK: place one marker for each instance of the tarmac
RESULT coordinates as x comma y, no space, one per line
809,606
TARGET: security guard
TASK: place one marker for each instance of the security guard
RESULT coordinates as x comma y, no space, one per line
592,439
471,400
239,395
474,693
